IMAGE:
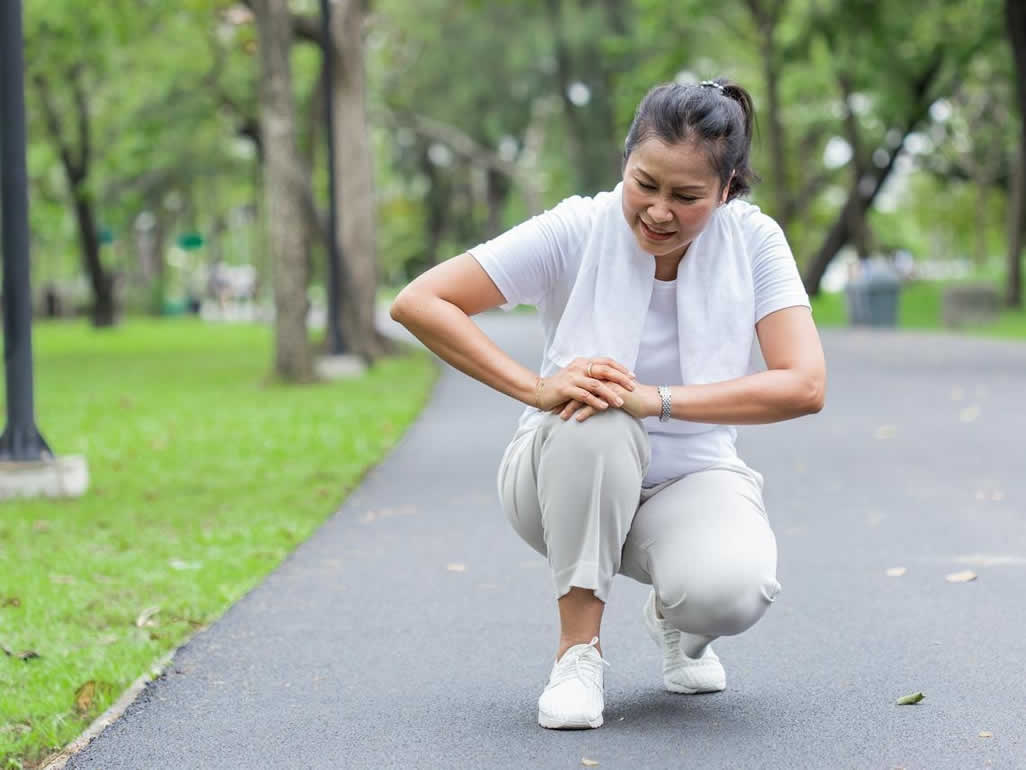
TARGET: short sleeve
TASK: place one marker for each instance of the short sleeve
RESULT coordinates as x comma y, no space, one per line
776,281
526,262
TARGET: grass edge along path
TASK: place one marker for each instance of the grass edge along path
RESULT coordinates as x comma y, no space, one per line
204,477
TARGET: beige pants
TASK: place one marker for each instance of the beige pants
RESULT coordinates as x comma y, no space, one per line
573,492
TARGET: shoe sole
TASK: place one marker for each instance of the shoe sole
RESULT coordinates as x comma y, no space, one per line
552,723
688,691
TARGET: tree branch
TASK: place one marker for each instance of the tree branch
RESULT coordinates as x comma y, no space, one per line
56,131
85,149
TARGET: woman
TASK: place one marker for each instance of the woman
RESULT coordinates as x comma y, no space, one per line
651,296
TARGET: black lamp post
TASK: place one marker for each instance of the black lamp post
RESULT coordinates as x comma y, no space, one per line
336,346
21,440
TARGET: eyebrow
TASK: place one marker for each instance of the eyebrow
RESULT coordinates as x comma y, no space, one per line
682,187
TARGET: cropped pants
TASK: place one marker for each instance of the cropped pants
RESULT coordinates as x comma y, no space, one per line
573,491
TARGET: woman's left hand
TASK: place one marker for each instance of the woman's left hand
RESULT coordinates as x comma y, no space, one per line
643,401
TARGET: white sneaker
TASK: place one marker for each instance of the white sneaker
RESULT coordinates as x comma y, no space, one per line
572,699
681,673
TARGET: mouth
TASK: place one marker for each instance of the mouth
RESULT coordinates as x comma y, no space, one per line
655,235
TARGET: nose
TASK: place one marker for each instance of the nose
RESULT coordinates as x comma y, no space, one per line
659,213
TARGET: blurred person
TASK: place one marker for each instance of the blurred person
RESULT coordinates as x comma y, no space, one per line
652,297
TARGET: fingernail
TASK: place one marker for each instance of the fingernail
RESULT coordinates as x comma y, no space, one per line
633,375
619,402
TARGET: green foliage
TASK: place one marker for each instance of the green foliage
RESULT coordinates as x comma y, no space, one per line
456,89
206,480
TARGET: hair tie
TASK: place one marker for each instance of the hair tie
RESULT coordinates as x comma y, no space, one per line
712,84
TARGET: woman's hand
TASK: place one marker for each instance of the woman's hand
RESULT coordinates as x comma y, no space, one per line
641,401
596,382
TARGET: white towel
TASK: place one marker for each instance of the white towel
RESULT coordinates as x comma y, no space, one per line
605,313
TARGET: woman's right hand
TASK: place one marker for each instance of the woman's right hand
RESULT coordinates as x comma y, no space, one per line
584,380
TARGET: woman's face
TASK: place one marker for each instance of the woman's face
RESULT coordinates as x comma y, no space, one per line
669,193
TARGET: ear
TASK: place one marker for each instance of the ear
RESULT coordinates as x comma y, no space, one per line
726,189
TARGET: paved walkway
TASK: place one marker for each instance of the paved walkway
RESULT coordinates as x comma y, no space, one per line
414,629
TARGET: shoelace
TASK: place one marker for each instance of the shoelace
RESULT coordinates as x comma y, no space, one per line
587,669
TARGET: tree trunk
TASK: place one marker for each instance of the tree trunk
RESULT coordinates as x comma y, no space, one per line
1015,14
840,233
357,213
103,311
590,127
766,22
499,187
858,226
1016,215
293,361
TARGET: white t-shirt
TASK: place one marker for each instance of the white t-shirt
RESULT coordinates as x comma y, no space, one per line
536,263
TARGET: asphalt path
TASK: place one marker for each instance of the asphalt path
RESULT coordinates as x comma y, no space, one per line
416,630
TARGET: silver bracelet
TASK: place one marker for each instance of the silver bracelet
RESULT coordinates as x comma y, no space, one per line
664,396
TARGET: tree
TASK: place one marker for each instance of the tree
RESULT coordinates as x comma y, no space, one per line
1015,18
283,182
356,199
903,88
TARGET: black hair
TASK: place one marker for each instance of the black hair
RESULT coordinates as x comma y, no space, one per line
716,115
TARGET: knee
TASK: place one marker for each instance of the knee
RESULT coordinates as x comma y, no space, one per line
722,604
613,434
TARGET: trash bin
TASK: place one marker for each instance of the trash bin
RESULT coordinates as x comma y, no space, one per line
873,295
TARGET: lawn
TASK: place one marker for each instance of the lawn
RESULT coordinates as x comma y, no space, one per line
919,307
203,477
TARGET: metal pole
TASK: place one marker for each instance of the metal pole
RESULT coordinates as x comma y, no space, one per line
21,440
335,343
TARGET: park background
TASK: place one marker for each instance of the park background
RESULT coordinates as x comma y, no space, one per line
181,222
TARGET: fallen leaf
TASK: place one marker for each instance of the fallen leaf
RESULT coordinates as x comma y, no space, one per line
145,617
873,518
986,734
456,567
969,414
961,577
896,571
885,432
589,762
11,601
84,696
26,655
910,700
384,513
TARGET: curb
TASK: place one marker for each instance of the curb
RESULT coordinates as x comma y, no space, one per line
111,715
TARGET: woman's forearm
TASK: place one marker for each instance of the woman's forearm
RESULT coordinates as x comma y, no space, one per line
454,337
770,396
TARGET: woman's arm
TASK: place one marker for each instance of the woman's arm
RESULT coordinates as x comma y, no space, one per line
793,385
436,307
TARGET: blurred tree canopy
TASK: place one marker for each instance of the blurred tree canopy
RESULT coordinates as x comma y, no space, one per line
879,129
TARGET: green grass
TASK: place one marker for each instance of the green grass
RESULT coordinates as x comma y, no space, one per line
919,307
203,477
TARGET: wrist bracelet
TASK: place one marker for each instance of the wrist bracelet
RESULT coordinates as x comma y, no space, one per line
665,398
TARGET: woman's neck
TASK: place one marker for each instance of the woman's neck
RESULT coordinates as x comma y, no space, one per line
666,265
